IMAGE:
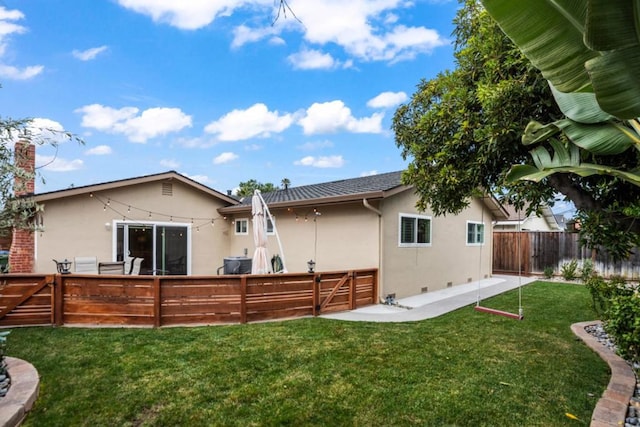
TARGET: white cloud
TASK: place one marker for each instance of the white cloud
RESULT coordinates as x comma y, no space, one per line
365,29
46,130
170,164
315,145
100,150
15,73
8,28
243,35
387,100
57,164
202,179
369,173
308,59
256,121
89,54
225,158
333,116
321,162
188,15
149,124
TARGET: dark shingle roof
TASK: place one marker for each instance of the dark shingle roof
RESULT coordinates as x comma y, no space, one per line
345,187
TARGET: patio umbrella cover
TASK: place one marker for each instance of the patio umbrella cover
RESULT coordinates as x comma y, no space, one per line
260,263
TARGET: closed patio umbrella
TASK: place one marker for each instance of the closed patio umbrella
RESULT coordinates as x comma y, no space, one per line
260,263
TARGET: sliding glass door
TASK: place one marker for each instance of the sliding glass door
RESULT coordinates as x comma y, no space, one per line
164,247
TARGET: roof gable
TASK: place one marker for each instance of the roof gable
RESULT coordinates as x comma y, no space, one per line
165,176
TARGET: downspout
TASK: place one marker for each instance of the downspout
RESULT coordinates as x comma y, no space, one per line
366,204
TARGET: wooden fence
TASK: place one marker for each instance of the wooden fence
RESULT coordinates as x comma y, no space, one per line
533,251
72,299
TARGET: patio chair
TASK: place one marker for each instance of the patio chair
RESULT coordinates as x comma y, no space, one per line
86,264
135,266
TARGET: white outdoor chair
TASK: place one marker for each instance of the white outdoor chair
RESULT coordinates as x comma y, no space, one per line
86,264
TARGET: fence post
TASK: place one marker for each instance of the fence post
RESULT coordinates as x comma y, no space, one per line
315,287
58,300
243,298
157,303
352,290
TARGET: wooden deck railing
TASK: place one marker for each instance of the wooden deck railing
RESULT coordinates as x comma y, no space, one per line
74,299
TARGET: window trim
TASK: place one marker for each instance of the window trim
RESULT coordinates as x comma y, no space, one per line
484,227
246,227
414,244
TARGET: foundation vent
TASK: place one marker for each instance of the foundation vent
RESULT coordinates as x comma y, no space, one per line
449,284
469,280
167,189
424,289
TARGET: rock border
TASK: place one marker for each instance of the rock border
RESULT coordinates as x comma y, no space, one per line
22,394
611,409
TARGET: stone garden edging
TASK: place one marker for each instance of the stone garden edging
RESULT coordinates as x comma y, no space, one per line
22,394
611,409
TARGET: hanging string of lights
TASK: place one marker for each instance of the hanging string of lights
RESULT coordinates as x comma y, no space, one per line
196,222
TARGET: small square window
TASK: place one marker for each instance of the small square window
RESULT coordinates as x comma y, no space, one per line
270,227
475,233
242,226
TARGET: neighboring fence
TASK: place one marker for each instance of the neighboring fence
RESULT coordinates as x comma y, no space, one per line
72,299
533,251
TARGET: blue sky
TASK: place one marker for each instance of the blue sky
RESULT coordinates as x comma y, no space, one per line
214,89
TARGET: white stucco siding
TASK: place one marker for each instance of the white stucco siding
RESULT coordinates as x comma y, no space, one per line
448,260
83,225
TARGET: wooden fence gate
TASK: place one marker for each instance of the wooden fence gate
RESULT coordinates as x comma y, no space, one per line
26,300
511,253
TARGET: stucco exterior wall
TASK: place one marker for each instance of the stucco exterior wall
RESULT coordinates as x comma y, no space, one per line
83,225
448,261
340,237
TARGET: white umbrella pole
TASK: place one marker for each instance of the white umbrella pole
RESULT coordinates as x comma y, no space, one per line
275,230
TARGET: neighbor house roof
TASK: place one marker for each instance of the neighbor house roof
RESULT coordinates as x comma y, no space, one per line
519,216
159,177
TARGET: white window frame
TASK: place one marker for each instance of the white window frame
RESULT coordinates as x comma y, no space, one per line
271,231
239,221
414,244
475,233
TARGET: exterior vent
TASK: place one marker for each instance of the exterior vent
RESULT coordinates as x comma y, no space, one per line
167,189
425,289
449,284
469,280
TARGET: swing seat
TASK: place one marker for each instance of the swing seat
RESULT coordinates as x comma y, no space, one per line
498,312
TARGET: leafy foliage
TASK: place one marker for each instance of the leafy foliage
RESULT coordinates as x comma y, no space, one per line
590,53
247,188
569,270
21,212
462,129
618,304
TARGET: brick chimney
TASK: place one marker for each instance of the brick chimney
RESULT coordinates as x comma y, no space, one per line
21,254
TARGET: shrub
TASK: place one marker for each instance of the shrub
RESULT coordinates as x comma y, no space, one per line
569,270
587,270
623,324
548,272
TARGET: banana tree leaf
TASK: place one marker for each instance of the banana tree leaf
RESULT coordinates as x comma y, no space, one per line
581,107
604,139
536,132
611,25
615,77
550,34
530,173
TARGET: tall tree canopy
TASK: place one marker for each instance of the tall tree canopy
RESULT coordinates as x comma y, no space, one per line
247,188
463,131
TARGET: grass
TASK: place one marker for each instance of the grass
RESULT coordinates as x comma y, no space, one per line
463,368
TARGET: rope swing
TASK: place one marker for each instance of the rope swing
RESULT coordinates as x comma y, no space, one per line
482,309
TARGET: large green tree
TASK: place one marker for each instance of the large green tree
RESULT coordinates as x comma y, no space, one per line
463,131
247,188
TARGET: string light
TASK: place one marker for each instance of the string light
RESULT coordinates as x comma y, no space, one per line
151,214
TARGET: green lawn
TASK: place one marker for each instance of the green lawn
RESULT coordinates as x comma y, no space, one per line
464,368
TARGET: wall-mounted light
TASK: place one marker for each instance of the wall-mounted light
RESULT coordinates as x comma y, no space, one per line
107,226
311,264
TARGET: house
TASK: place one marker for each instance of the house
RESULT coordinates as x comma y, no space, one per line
179,226
518,220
